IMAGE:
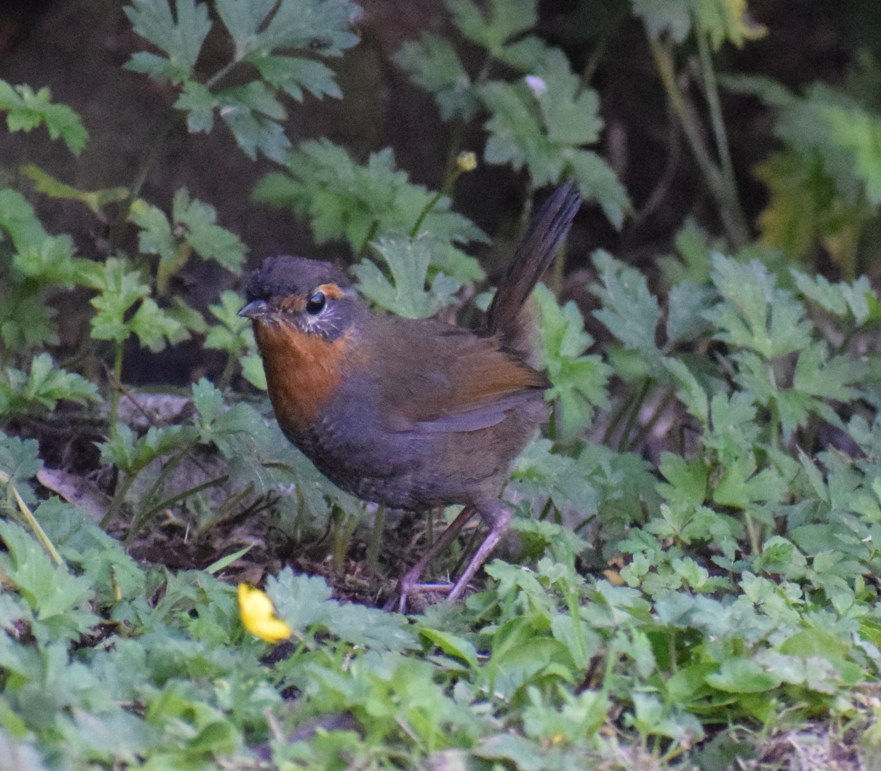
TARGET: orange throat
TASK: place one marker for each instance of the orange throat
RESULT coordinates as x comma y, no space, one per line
302,372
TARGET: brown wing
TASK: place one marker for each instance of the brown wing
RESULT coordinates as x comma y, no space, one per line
438,377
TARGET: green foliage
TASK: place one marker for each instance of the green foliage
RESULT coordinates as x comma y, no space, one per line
121,289
826,182
360,203
192,229
250,109
45,385
542,123
408,260
579,382
712,569
28,109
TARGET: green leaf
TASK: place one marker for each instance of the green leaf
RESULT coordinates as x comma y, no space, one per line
756,315
361,202
304,603
25,319
858,132
672,17
28,109
38,255
741,675
579,382
252,369
506,20
233,334
569,108
543,473
292,74
516,133
44,385
132,453
688,480
433,63
180,36
857,298
19,458
630,311
597,181
120,289
209,240
199,103
686,308
742,484
155,236
242,21
305,23
408,260
51,591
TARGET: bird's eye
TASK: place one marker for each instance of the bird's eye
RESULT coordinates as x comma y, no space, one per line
315,304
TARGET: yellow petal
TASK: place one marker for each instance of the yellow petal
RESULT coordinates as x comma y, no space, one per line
259,617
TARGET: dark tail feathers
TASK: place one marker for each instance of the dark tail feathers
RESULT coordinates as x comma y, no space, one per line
547,229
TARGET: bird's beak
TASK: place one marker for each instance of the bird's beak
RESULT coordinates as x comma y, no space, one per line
256,309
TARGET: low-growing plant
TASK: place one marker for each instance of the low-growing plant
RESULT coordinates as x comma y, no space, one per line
698,530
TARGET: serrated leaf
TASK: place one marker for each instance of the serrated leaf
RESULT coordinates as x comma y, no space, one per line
346,199
44,385
841,298
579,381
293,74
688,480
686,306
630,311
28,109
517,134
233,334
569,108
49,589
506,19
120,289
155,236
757,315
544,473
300,23
180,36
242,21
19,458
433,63
208,239
597,181
408,260
742,675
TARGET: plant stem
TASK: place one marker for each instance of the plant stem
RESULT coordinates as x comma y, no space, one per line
115,392
634,414
145,516
375,539
118,498
730,211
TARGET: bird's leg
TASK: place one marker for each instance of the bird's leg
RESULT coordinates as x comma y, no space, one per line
498,517
409,583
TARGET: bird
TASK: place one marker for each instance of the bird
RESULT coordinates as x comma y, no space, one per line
411,414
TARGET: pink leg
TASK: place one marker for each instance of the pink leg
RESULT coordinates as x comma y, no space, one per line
498,528
497,517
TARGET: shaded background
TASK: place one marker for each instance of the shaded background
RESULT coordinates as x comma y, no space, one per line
78,48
